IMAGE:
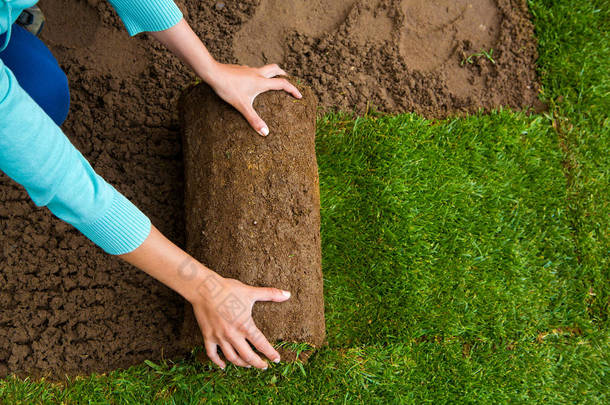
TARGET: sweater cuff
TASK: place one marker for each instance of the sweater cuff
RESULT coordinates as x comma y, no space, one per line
120,230
147,15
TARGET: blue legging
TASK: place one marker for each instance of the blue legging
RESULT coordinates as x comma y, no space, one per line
38,72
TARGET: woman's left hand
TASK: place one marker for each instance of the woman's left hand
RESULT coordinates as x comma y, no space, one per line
239,86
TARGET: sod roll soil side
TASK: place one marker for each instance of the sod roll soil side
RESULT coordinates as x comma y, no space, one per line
253,207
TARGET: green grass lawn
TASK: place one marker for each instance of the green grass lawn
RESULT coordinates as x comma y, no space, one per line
465,260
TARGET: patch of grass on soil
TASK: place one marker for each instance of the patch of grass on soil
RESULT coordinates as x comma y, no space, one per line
574,39
456,229
557,369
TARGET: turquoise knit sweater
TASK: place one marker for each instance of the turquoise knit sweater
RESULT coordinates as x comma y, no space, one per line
36,154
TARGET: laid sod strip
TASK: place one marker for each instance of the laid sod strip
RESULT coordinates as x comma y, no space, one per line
574,40
574,47
453,229
556,369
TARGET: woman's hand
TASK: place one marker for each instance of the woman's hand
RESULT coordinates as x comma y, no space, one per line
222,306
239,86
224,314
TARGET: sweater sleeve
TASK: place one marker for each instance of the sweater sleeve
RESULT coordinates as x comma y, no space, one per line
36,154
147,15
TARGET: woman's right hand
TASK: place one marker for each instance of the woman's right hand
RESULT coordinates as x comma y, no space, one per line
240,85
222,306
237,85
223,309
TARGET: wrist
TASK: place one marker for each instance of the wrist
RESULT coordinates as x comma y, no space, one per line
209,71
216,78
184,43
199,282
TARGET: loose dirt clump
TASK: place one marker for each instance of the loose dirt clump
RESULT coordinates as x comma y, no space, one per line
65,306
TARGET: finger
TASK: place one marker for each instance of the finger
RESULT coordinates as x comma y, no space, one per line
232,356
270,294
283,84
211,348
261,343
255,120
212,352
246,353
270,71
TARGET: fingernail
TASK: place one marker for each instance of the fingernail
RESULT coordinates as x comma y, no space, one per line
265,368
265,131
286,293
300,95
276,360
248,366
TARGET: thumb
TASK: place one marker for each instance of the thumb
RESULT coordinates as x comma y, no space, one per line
271,294
255,121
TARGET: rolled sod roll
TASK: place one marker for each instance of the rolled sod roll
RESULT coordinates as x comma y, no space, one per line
253,210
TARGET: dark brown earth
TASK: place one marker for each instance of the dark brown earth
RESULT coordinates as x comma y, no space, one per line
400,55
252,208
65,306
